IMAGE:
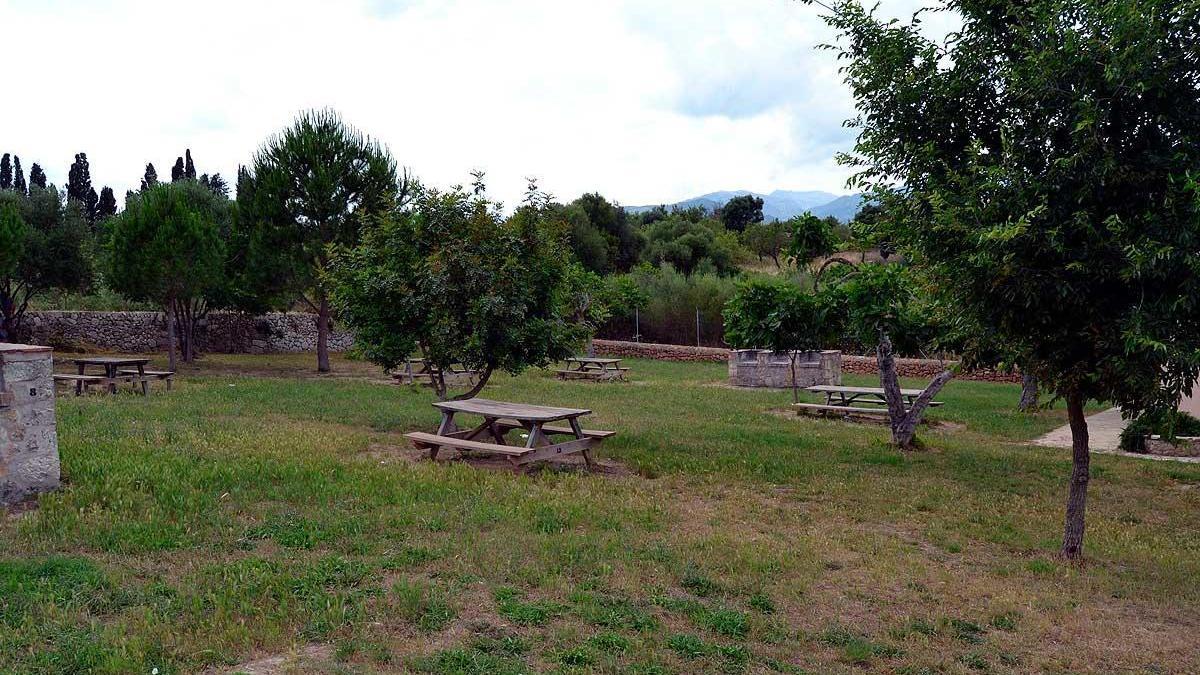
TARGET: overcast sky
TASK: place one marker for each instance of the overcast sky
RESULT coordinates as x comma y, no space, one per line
645,101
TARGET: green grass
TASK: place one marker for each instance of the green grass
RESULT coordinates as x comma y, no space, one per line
257,509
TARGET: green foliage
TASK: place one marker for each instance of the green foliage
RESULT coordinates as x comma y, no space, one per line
601,234
453,278
1049,158
766,240
41,248
167,244
875,299
809,237
667,302
741,211
691,247
1169,423
775,315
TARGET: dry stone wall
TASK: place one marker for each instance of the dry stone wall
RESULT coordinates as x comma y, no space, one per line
221,332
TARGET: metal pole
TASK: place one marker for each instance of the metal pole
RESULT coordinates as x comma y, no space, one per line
637,326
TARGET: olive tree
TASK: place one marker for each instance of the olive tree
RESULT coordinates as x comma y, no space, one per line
1048,154
309,188
454,279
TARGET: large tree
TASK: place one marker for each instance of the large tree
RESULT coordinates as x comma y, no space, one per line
741,211
168,247
6,177
18,177
41,248
313,185
150,177
106,206
455,279
1049,155
37,177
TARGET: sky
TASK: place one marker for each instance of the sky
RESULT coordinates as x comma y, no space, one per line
644,101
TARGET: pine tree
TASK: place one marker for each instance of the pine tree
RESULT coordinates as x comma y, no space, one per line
189,169
37,177
18,176
150,178
90,203
177,171
107,206
5,172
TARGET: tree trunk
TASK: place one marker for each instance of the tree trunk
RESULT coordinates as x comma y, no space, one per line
479,384
170,316
1072,546
795,387
322,333
903,421
1029,393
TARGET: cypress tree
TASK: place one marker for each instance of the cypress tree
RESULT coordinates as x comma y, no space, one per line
79,179
5,172
189,169
18,176
177,171
37,177
150,178
107,206
90,203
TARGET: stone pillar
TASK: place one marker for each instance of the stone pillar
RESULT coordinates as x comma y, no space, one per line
28,438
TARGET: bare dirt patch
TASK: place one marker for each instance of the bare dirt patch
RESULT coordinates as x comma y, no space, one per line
306,659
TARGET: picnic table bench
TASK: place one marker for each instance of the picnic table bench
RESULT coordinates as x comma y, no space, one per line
499,418
593,368
421,371
855,400
117,369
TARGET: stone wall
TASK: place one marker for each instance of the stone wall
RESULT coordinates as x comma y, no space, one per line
221,332
860,365
764,368
28,437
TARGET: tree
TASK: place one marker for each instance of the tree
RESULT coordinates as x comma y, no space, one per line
150,178
18,176
178,172
313,186
462,284
37,177
215,183
607,220
776,315
6,177
189,169
739,212
167,247
41,247
79,179
809,237
106,206
766,240
1049,157
692,247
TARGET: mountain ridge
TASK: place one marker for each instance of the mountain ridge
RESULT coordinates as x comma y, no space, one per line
777,205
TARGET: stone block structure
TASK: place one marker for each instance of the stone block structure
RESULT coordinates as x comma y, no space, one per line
28,436
765,368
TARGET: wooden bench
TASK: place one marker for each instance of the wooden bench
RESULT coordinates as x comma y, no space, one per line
822,409
164,375
606,374
81,382
506,426
433,441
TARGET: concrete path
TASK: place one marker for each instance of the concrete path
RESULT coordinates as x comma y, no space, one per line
1104,436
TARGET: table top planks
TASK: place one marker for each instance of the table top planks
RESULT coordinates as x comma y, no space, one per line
835,389
514,411
593,359
110,361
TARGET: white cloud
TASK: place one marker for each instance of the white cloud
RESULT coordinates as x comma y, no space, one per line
643,101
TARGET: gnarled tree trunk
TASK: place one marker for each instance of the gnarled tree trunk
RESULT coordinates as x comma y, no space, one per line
1072,546
1029,393
169,314
903,421
322,332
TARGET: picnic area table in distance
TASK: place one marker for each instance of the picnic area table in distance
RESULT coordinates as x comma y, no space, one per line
853,399
112,366
421,371
593,368
499,418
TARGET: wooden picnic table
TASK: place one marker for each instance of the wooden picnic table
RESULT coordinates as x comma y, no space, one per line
851,396
499,418
418,370
111,366
593,368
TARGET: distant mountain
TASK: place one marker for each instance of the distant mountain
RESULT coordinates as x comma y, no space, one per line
779,205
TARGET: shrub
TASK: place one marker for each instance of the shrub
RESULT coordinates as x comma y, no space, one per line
1169,424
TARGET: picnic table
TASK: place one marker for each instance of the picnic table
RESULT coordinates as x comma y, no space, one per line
853,399
421,371
498,419
593,368
116,369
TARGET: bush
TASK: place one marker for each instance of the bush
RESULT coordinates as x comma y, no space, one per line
1169,424
672,299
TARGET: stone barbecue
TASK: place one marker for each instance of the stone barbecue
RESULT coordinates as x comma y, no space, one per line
28,437
765,368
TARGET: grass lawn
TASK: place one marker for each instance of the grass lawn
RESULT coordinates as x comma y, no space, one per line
259,513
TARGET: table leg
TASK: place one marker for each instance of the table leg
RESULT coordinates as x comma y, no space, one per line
447,426
145,384
587,456
79,383
111,372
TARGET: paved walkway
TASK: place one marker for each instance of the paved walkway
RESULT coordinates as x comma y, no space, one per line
1104,435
